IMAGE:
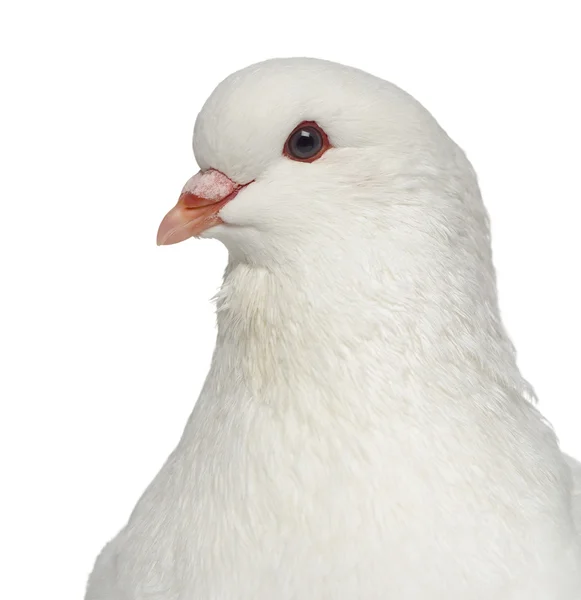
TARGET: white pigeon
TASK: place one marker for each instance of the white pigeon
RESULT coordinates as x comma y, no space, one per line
364,432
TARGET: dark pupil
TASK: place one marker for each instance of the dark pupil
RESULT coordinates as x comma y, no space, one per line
305,143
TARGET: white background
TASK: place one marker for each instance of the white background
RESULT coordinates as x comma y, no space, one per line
106,338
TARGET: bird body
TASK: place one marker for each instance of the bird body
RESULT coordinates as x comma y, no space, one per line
364,432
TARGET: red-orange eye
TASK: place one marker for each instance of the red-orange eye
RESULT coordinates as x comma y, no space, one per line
306,143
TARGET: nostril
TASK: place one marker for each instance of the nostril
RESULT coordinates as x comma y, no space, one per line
209,185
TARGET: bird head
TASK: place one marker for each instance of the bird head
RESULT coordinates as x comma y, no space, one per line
302,157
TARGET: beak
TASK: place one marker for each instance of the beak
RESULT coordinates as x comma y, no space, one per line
198,206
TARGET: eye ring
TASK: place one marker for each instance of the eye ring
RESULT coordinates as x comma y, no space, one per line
307,142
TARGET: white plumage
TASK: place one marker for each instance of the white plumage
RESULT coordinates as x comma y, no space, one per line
364,432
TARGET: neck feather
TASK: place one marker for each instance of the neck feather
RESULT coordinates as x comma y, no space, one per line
363,324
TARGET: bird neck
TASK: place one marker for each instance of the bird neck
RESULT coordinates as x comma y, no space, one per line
359,326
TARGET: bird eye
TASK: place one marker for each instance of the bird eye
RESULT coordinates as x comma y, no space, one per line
306,143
